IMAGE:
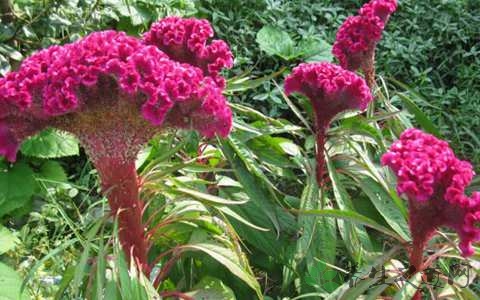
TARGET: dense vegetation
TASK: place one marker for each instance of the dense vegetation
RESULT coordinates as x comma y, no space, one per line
243,217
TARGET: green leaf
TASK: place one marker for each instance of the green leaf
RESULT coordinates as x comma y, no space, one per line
10,52
50,143
242,84
8,241
327,240
53,170
310,200
207,197
227,211
51,175
111,291
356,286
386,207
16,187
67,277
350,216
4,65
249,174
275,42
420,117
210,288
10,284
410,288
139,15
355,238
359,125
6,32
418,96
230,260
315,50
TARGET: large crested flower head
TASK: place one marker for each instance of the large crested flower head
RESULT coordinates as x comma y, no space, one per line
330,88
426,166
379,8
186,40
434,180
103,79
358,36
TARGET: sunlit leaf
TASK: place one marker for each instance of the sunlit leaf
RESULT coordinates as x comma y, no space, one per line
10,284
50,144
274,41
8,240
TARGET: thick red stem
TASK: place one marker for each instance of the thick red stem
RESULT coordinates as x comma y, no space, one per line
416,256
320,155
322,122
422,223
120,185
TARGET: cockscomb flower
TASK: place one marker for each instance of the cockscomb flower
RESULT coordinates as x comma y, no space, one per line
114,92
434,180
358,36
355,43
186,40
331,90
426,165
381,9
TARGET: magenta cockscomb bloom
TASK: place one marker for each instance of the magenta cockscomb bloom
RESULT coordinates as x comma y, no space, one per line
434,180
356,40
187,40
381,9
358,36
331,90
114,92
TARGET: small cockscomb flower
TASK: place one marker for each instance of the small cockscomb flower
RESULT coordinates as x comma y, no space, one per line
434,180
358,36
379,8
186,40
331,90
355,43
114,92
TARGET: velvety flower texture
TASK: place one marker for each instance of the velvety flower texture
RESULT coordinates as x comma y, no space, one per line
356,39
331,90
114,92
434,180
61,80
185,40
379,8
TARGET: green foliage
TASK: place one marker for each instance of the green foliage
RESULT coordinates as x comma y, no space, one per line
50,144
8,240
277,42
211,288
11,196
10,283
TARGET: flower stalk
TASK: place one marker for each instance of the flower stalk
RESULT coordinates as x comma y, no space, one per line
331,90
120,186
434,181
115,92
